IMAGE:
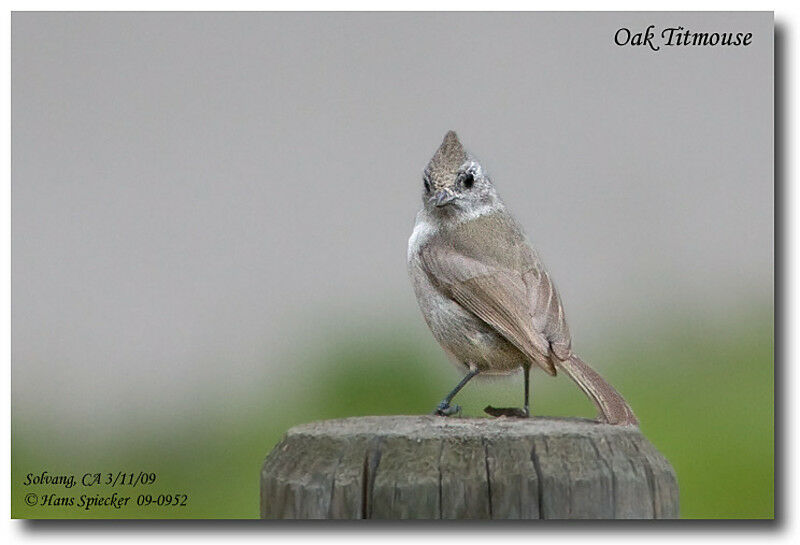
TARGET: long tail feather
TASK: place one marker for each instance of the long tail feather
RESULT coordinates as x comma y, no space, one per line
613,407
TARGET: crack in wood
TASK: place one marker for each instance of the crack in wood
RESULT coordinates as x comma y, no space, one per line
539,479
488,476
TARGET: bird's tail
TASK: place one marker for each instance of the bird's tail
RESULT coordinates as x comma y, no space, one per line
613,407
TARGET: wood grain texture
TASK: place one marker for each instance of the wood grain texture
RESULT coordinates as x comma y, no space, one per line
427,467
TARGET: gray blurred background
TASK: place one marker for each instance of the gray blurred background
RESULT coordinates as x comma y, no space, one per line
204,204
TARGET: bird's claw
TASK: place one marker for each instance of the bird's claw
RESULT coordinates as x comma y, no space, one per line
445,409
514,412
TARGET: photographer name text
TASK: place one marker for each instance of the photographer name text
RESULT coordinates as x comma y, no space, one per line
57,491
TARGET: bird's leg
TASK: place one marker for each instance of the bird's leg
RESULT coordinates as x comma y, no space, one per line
444,408
525,411
526,407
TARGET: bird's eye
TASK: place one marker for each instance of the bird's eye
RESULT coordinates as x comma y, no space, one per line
468,180
427,185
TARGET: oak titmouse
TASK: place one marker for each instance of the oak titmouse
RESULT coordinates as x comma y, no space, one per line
483,290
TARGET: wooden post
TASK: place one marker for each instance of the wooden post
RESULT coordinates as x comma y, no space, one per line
427,467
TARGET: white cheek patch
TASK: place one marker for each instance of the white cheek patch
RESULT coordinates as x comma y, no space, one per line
482,210
422,232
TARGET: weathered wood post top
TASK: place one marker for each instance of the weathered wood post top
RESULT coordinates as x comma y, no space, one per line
429,467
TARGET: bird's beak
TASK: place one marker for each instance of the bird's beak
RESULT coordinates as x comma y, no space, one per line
442,197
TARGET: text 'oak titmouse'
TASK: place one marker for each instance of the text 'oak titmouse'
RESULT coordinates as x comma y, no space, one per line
483,290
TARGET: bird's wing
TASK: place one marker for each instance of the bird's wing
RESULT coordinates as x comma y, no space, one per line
516,304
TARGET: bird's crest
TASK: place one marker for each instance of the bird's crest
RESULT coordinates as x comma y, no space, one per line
445,163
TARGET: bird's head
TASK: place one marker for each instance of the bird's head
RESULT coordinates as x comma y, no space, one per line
454,182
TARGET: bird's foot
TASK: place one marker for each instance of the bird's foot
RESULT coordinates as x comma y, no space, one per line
445,409
514,412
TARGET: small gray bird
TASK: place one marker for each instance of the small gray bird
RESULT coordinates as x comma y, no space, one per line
483,290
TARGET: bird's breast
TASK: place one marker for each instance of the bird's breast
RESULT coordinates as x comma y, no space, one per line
463,335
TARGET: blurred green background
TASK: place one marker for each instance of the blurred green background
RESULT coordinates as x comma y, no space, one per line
703,390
